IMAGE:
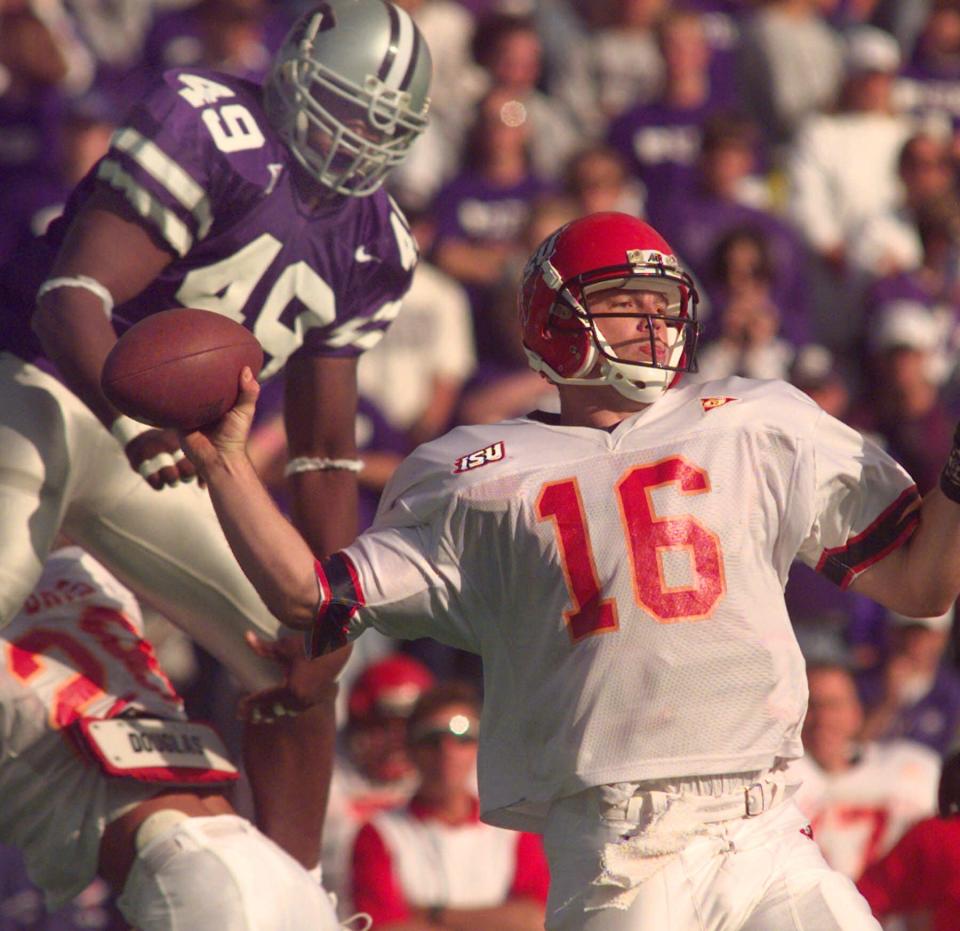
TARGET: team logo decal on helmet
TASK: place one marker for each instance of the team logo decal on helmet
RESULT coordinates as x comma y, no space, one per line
348,92
600,252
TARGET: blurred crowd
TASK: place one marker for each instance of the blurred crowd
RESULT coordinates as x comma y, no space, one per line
801,157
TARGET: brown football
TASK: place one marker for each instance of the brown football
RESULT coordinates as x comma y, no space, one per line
179,368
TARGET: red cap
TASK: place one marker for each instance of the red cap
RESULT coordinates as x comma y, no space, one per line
388,688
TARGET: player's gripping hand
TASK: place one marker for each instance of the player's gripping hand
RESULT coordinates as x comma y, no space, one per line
306,682
227,437
157,456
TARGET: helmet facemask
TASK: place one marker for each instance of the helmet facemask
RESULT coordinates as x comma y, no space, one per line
334,93
348,138
643,380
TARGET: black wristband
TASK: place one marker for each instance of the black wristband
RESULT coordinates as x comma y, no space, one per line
435,914
950,476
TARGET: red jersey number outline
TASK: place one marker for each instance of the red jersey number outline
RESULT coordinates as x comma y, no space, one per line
76,692
648,536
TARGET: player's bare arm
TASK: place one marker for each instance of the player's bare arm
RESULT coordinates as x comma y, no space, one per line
320,414
288,743
108,246
922,577
274,556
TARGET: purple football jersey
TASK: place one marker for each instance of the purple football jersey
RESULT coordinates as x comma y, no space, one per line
200,164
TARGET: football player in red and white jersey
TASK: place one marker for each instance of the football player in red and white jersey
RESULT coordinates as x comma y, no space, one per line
859,797
620,568
102,773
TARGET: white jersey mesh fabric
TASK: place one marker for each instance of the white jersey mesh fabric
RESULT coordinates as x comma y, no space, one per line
625,588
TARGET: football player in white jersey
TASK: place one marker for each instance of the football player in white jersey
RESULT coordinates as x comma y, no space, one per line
102,773
860,797
620,568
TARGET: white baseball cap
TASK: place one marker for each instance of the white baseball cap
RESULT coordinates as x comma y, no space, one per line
871,49
907,324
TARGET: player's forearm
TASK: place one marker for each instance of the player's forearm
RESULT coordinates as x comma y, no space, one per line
272,554
77,336
325,509
288,764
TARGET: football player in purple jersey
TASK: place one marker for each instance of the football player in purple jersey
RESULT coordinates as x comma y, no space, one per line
263,203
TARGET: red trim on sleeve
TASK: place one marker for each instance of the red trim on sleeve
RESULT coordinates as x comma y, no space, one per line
891,528
325,593
532,877
374,886
341,595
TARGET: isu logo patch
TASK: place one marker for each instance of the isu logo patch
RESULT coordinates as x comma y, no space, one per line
807,831
711,404
481,457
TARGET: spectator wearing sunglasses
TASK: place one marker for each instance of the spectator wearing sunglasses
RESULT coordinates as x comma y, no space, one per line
431,863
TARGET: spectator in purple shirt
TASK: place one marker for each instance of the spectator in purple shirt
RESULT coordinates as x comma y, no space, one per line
722,198
661,139
747,336
903,406
82,138
915,693
481,213
935,283
929,85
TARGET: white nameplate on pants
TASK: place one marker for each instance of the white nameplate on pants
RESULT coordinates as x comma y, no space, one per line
155,750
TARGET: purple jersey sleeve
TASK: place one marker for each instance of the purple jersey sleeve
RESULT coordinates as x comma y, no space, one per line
192,143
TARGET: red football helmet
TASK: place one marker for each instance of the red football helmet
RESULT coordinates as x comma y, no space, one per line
593,253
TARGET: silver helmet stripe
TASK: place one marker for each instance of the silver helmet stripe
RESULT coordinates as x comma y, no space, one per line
398,64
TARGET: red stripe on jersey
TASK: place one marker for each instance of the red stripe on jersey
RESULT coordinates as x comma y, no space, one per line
325,593
893,527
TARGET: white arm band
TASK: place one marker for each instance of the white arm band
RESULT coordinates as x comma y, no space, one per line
312,464
80,281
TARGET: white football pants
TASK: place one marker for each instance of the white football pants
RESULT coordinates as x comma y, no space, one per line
749,874
221,874
59,467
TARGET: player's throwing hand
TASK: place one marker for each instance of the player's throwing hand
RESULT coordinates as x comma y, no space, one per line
228,436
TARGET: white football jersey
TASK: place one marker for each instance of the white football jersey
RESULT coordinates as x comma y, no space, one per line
859,814
625,587
75,649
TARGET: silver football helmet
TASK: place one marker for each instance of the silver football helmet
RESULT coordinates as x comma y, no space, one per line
348,92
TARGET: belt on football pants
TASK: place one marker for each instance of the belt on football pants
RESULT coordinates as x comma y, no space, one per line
754,799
